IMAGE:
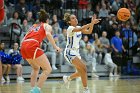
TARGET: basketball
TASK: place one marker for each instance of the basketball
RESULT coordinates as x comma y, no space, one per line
123,14
1,4
1,15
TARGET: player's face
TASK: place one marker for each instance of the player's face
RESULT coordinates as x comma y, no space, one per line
73,20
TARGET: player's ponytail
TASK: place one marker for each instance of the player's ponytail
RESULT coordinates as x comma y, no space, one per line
43,16
67,18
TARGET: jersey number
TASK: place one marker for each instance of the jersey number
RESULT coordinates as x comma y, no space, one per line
35,28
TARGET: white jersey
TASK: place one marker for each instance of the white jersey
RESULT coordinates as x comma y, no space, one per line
73,38
72,46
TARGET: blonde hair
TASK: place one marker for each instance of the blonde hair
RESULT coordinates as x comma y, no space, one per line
67,18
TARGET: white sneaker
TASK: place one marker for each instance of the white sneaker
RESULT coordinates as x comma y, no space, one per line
20,79
86,91
66,81
54,67
2,79
94,75
111,75
7,78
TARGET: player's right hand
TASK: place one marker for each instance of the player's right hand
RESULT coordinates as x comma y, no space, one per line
94,19
58,49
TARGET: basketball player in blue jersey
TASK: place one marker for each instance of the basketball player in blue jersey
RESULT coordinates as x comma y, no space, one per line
71,53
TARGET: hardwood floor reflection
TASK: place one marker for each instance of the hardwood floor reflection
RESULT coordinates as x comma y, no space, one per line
104,85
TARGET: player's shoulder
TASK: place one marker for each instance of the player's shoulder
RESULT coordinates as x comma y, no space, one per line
47,27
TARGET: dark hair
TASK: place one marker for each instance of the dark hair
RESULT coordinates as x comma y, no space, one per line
43,16
117,31
67,18
14,14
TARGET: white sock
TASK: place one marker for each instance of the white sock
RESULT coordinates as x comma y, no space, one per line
69,79
85,87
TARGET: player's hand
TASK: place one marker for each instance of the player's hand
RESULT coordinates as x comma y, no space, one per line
58,49
94,19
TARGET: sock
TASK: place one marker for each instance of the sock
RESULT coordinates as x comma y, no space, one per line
69,79
85,87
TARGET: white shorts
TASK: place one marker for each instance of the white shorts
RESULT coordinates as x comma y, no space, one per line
70,54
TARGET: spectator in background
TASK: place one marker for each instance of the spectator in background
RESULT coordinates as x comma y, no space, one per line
5,63
97,9
82,9
127,35
111,30
103,13
36,8
15,19
110,64
15,61
115,6
98,48
124,3
62,38
51,53
118,48
112,19
89,56
25,28
21,8
55,25
105,43
30,19
15,24
84,40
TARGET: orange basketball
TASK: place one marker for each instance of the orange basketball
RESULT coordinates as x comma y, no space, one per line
1,15
1,4
123,14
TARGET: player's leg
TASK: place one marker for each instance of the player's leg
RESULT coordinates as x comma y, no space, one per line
81,69
34,73
43,62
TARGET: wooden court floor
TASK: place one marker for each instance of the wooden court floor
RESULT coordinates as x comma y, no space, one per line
101,85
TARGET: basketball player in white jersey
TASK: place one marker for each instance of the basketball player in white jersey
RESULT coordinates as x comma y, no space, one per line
71,53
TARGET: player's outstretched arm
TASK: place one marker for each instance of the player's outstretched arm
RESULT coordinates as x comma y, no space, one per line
91,25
